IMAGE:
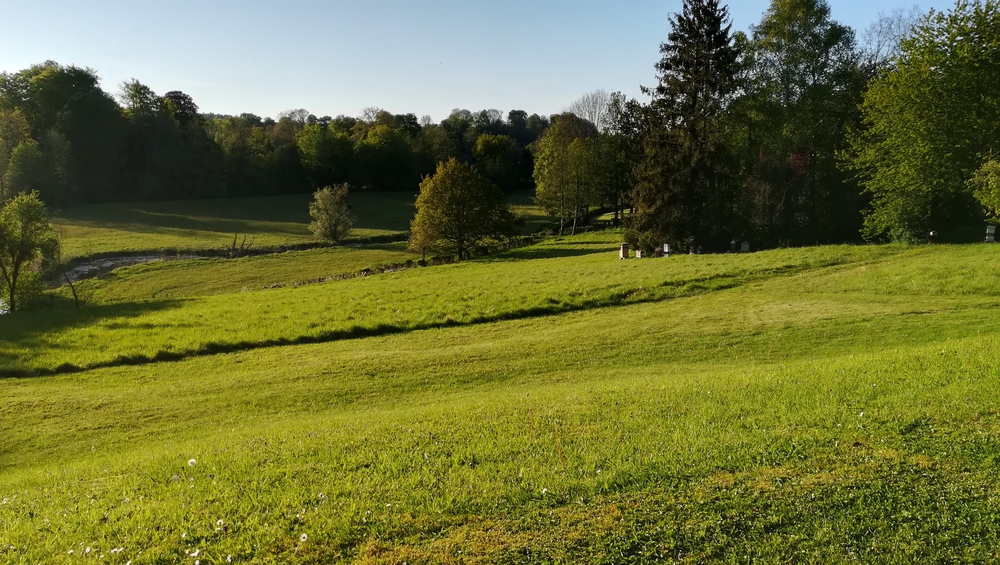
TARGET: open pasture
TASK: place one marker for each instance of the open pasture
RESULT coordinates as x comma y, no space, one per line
553,277
198,225
817,405
209,225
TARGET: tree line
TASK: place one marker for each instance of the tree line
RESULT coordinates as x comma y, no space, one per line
795,132
64,137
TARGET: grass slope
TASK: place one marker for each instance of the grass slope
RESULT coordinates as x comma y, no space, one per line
202,277
559,276
842,411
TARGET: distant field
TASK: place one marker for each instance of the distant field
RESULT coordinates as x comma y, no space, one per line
195,225
210,224
824,405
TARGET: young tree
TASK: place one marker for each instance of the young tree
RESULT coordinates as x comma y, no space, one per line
685,183
565,175
25,235
458,209
331,214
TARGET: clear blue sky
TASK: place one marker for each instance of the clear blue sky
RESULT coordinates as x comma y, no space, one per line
338,56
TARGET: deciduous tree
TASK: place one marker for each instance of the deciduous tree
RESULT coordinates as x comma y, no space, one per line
458,209
331,213
25,236
565,170
928,122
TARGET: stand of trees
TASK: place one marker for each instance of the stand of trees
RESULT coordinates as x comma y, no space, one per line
64,137
795,134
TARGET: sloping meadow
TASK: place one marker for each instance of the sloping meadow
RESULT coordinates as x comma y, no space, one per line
807,409
549,278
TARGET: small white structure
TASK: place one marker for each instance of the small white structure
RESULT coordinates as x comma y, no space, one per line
638,253
991,232
623,252
745,248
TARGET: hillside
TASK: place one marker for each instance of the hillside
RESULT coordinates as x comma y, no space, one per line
547,405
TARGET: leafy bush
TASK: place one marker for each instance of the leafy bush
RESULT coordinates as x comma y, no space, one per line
331,214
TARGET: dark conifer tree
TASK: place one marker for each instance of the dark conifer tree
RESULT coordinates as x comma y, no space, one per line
686,180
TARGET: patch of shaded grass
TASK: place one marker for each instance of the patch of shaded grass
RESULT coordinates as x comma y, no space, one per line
201,277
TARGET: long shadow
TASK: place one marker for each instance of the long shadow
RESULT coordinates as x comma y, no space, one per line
545,252
28,330
140,221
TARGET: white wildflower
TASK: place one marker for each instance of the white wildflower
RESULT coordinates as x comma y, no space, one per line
303,537
192,462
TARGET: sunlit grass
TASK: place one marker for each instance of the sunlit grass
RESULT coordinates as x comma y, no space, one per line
555,276
200,277
549,404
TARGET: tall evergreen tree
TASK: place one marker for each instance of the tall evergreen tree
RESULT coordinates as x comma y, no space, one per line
685,182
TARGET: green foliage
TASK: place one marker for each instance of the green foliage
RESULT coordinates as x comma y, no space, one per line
459,209
25,237
803,82
326,155
927,121
685,182
498,158
331,214
985,183
567,169
13,132
27,171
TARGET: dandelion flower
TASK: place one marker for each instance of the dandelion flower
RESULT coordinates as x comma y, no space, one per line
303,537
87,551
192,462
218,522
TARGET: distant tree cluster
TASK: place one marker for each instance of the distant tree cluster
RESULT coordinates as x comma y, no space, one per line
64,137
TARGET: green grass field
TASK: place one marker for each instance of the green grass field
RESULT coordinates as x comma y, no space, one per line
273,221
547,405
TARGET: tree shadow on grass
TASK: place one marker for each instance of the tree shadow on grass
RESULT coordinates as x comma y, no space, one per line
553,252
22,333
